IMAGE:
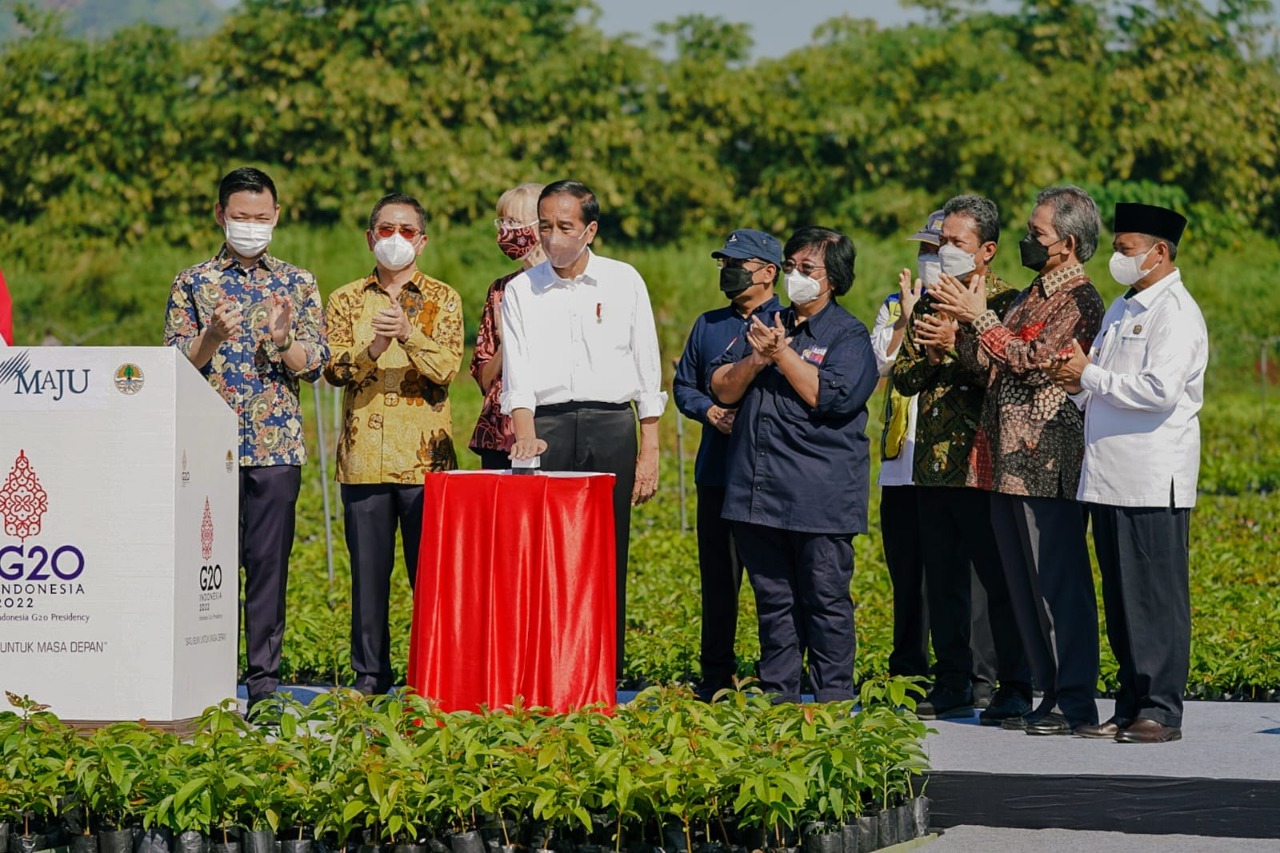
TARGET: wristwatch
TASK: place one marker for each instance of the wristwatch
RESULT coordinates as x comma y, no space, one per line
281,349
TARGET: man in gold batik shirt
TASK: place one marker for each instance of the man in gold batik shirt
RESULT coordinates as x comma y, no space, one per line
396,344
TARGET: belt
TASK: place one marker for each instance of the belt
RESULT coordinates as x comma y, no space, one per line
581,406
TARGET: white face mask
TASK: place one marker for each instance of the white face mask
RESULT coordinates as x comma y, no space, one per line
394,252
956,262
247,239
801,289
1128,270
928,267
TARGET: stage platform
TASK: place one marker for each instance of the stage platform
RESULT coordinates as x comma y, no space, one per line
1222,779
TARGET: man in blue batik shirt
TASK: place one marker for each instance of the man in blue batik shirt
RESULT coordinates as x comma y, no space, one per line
253,325
749,265
800,466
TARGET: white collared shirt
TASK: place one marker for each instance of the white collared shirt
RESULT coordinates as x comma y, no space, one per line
591,339
1141,397
893,472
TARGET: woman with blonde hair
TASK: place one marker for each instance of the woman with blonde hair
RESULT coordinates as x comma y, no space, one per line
517,225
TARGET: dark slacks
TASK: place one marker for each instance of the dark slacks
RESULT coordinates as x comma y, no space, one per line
801,583
598,437
372,513
982,642
900,537
721,575
958,542
1046,564
1143,555
494,460
268,500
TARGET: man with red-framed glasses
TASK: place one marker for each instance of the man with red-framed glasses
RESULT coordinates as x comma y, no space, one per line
395,339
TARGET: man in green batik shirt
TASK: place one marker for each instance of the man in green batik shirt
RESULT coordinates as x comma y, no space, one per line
955,519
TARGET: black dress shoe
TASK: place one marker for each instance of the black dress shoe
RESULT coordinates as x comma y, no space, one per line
1052,723
1143,730
1019,724
1007,704
983,694
1103,731
943,703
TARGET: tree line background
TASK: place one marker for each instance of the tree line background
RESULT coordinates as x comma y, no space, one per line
1172,101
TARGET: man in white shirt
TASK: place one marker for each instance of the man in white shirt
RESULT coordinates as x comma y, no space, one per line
580,350
1141,387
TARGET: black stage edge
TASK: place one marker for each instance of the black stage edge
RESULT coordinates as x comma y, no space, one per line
1150,805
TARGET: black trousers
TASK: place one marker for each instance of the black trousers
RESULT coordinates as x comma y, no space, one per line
494,460
801,583
904,557
268,503
982,642
721,575
372,513
1144,555
958,542
598,437
1046,564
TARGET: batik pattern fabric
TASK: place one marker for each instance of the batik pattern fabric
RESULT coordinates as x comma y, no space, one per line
248,370
1030,441
397,423
493,429
949,397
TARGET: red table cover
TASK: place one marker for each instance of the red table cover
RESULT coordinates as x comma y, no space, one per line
515,591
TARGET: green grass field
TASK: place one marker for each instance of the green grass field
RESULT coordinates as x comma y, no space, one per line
105,295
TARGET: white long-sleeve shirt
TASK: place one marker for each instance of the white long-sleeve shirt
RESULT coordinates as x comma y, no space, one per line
1141,397
893,472
591,339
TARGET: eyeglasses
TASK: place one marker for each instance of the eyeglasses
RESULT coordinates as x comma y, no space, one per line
806,268
504,223
735,263
406,231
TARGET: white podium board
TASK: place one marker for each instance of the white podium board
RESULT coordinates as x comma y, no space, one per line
119,517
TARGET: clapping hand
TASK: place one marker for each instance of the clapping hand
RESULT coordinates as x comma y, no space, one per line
767,342
226,320
1065,368
964,302
908,292
280,319
937,334
391,322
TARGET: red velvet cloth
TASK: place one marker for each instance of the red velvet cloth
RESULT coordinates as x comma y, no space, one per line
6,312
515,591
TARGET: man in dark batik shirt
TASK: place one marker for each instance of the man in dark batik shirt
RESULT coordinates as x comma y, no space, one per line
1029,448
955,519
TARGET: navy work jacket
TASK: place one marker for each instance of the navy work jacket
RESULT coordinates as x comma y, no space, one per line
798,468
712,335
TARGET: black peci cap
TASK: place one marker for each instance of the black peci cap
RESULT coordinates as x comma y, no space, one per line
1150,220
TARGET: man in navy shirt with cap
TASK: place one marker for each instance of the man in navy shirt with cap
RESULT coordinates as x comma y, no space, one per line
799,466
749,265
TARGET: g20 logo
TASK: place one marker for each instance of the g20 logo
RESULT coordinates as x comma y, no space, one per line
19,563
23,503
210,578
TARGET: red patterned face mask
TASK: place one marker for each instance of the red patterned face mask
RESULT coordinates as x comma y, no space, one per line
516,243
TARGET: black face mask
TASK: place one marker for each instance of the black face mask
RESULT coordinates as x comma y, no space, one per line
1034,253
734,280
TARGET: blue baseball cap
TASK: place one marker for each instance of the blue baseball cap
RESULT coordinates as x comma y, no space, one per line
748,243
932,230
